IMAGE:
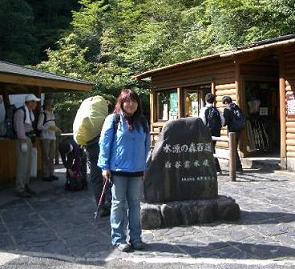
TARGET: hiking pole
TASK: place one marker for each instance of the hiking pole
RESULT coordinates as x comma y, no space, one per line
99,204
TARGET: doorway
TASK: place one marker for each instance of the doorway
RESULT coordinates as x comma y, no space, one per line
263,117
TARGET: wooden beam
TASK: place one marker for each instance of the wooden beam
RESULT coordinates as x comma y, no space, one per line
226,86
153,106
213,88
251,56
290,154
230,92
44,83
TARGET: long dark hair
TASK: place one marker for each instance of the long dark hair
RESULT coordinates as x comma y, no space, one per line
125,96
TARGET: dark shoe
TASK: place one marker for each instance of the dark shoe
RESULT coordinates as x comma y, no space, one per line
123,247
138,245
24,194
53,177
240,170
30,191
48,179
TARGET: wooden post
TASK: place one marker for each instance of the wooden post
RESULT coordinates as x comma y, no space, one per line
283,147
232,156
179,103
153,109
213,89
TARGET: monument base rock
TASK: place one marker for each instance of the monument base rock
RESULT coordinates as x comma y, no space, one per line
189,212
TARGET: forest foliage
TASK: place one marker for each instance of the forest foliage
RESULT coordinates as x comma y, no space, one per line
109,41
29,27
112,40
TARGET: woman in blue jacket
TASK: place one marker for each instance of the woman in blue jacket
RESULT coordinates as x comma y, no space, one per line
124,146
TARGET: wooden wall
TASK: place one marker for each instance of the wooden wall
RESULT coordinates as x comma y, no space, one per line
220,73
289,75
227,77
194,74
261,67
8,161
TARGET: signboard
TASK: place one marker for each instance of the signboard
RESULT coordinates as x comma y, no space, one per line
263,111
181,166
290,104
173,106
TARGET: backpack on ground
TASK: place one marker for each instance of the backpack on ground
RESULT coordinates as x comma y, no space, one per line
74,182
89,119
77,179
238,120
213,120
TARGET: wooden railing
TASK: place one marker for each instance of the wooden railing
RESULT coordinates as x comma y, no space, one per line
231,140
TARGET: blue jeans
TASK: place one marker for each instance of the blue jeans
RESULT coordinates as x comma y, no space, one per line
126,195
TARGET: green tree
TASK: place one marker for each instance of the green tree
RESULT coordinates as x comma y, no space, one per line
51,20
18,43
112,40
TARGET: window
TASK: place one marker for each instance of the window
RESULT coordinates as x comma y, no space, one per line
2,117
194,99
167,105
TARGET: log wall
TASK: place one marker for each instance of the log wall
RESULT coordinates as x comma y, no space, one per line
220,73
289,75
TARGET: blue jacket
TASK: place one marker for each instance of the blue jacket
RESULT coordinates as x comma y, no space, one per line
124,151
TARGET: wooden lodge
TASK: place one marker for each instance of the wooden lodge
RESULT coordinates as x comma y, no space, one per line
15,80
260,78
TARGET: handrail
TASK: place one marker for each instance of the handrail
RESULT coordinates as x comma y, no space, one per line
231,139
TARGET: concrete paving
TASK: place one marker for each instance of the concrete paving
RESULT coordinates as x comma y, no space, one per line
59,225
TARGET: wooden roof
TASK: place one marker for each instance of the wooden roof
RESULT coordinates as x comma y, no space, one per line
18,79
262,45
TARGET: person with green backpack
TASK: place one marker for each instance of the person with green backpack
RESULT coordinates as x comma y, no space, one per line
86,132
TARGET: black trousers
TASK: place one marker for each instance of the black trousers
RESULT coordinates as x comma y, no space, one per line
217,165
96,179
238,160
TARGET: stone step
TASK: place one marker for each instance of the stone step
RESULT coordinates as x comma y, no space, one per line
271,163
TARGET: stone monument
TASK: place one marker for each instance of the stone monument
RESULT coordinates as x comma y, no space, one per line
180,185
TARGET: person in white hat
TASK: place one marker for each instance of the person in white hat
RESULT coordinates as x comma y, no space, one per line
23,126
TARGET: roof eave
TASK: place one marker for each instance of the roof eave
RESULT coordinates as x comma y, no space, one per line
230,53
44,82
251,49
148,74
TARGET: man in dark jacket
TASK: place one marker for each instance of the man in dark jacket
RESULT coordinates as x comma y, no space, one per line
214,120
228,115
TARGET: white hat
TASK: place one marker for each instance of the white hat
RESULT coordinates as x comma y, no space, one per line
31,97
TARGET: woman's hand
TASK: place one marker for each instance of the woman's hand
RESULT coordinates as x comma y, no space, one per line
107,175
